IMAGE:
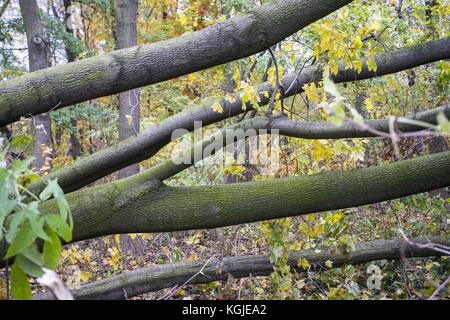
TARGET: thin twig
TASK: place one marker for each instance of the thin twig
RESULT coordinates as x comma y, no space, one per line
439,289
176,288
277,85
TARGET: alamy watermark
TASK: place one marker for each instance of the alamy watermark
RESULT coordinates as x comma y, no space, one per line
74,18
374,280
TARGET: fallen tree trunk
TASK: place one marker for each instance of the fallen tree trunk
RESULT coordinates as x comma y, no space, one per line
132,283
282,125
140,204
126,69
323,130
151,140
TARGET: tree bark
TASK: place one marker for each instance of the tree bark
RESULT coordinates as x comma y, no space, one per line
143,204
285,127
75,145
38,60
129,109
151,140
132,283
122,70
125,33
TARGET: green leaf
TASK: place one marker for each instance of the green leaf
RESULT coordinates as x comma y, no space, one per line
28,266
7,207
37,225
52,189
4,174
16,221
36,220
19,166
23,240
32,254
52,250
331,88
47,193
60,226
19,284
355,114
20,143
63,206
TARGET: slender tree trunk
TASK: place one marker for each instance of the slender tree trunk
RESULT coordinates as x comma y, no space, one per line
435,144
129,102
37,57
75,146
431,29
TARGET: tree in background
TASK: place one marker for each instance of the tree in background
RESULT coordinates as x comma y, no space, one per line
125,34
38,59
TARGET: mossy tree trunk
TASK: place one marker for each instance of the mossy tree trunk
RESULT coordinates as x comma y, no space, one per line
141,204
151,140
132,283
122,70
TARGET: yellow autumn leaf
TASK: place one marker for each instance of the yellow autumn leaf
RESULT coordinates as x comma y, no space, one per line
129,119
217,107
312,92
259,290
296,246
236,75
272,75
303,263
133,236
369,104
357,44
287,46
237,170
321,152
357,66
334,66
266,94
292,57
230,98
85,276
318,230
336,217
249,96
117,239
305,229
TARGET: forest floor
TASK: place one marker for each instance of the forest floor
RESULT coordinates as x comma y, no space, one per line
419,216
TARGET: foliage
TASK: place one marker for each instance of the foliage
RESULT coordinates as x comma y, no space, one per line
349,38
32,237
9,63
